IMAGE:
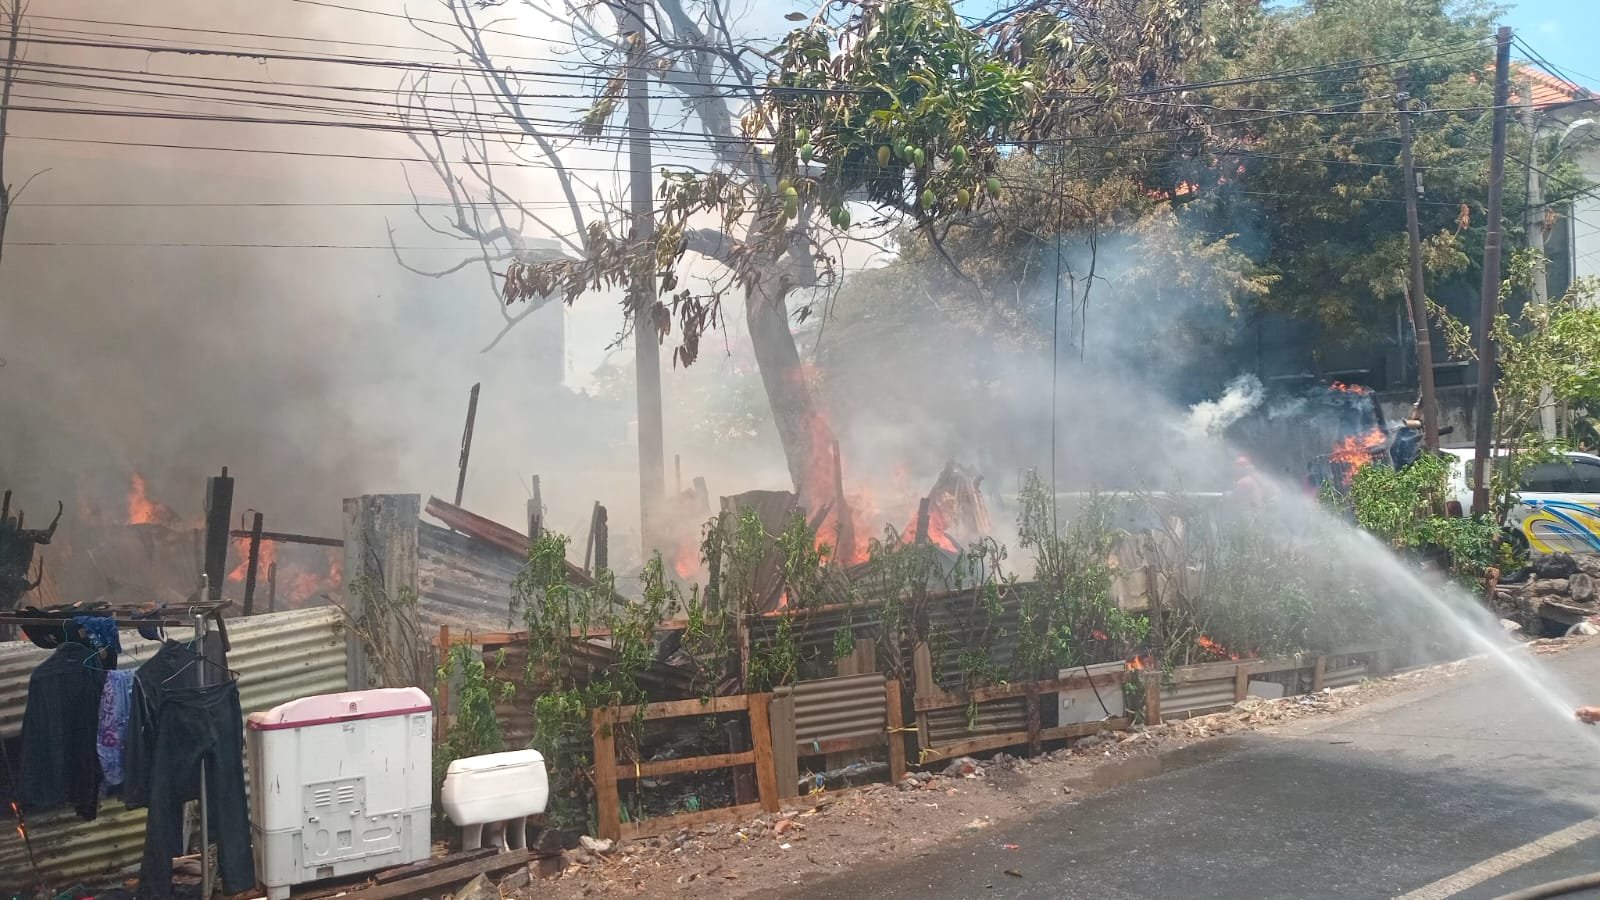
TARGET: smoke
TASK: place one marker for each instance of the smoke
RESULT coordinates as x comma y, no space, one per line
1210,418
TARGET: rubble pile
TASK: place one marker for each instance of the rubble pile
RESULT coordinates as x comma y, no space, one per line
1554,594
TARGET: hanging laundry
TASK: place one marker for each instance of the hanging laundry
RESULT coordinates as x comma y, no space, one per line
115,702
60,763
195,725
173,666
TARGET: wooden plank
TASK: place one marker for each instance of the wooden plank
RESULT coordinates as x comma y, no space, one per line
785,759
430,865
839,745
430,882
1319,674
1152,699
686,820
974,745
761,733
673,709
1214,671
1241,683
938,699
1020,738
922,670
1033,719
895,715
1084,729
608,806
654,767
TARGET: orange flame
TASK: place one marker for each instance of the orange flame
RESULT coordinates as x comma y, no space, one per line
268,555
1354,452
685,564
1136,664
144,511
1343,388
1212,647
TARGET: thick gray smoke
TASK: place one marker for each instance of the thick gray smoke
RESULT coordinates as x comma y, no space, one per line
1210,418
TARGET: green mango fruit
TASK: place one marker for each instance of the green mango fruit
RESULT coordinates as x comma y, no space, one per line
928,198
883,156
806,152
958,155
918,156
992,185
963,198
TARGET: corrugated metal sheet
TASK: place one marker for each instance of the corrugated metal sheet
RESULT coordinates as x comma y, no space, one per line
946,726
509,663
1347,670
462,582
279,657
1193,697
954,619
832,708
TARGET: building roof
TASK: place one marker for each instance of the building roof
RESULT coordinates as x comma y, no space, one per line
1548,90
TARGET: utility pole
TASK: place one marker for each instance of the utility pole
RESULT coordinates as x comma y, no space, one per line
1490,299
641,286
1419,299
1534,228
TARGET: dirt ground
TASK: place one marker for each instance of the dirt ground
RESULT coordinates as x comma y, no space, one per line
830,832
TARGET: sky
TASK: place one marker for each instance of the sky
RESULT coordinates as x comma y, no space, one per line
1564,32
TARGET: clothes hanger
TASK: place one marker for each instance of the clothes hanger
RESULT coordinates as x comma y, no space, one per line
198,656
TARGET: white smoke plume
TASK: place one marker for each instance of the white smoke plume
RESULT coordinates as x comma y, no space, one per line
1210,418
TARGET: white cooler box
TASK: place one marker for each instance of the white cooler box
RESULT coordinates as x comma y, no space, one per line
339,784
492,796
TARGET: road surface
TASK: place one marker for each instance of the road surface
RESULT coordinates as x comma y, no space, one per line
1470,789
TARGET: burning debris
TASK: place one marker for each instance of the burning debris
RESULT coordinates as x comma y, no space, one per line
17,547
957,514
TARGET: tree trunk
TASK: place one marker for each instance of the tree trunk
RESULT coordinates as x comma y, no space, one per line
803,428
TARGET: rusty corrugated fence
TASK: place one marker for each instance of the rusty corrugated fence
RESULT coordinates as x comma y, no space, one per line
279,656
464,583
851,706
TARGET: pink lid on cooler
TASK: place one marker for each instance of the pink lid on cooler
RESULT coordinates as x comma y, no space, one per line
349,706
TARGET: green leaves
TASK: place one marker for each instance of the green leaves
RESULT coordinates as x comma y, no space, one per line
914,90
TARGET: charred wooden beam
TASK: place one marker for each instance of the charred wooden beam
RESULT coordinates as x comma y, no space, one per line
284,537
252,563
219,512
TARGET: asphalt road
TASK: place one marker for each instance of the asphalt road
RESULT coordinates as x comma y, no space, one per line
1456,782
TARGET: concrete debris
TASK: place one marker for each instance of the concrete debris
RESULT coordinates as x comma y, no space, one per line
515,881
480,888
1510,625
595,845
965,767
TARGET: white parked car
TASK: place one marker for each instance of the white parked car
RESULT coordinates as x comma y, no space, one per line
1559,501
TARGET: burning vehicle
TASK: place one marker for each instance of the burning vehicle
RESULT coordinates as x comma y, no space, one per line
1317,435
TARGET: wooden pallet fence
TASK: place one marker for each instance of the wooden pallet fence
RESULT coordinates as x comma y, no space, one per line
608,771
929,697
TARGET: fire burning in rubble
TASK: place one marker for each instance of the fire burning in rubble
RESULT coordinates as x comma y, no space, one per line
144,511
1214,648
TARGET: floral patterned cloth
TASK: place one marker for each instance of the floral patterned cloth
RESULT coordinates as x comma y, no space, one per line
114,706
